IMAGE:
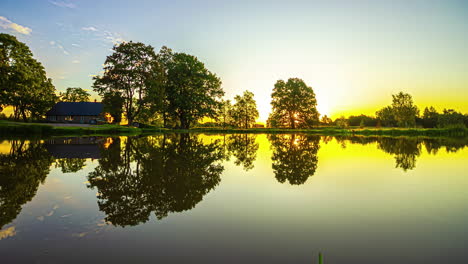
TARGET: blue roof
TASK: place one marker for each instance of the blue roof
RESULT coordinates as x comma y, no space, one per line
76,109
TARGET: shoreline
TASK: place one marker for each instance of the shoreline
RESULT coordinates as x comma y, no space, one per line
17,129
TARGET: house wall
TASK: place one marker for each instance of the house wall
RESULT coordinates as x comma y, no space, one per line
74,119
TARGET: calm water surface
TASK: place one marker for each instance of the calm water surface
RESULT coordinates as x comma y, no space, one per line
234,199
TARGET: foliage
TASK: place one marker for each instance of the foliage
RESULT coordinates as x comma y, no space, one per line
294,157
24,84
326,120
244,149
362,121
191,91
244,111
404,110
160,174
133,73
430,117
75,94
293,105
341,122
113,104
21,172
451,118
386,117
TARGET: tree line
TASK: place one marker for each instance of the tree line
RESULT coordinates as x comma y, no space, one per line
403,113
176,90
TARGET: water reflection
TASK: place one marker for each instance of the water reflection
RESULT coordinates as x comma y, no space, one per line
243,148
160,174
294,157
163,174
21,171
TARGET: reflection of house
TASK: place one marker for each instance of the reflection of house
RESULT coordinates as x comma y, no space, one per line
75,112
81,148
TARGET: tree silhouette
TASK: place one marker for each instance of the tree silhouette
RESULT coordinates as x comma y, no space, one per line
244,148
294,157
21,171
132,73
192,92
293,105
75,94
70,165
23,81
160,174
244,111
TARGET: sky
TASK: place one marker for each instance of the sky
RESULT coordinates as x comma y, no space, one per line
354,54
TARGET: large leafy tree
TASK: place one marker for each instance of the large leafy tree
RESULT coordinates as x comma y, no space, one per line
192,92
23,81
244,111
293,105
404,109
132,73
401,113
75,94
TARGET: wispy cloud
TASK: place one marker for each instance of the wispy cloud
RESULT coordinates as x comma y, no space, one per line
59,46
114,38
7,24
63,4
75,61
89,29
75,45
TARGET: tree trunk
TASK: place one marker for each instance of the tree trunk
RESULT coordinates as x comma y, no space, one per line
292,121
23,113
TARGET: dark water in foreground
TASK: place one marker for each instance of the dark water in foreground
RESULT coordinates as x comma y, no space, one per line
234,199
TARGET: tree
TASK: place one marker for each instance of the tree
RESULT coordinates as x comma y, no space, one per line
450,118
133,73
75,95
430,117
341,122
386,117
191,91
244,111
404,109
23,79
113,104
326,120
294,105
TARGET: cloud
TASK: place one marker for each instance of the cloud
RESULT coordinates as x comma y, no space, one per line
75,61
63,4
7,24
114,38
89,29
75,45
57,45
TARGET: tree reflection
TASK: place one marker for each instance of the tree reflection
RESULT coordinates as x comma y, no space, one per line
70,165
160,174
21,171
294,157
244,149
405,150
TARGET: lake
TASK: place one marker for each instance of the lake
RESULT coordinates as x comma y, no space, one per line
237,198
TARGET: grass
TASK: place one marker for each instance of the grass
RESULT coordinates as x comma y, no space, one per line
8,128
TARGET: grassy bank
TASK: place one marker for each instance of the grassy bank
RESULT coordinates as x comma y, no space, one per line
36,129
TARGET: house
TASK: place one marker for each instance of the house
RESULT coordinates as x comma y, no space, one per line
75,112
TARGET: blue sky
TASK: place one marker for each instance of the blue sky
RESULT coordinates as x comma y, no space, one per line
354,54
